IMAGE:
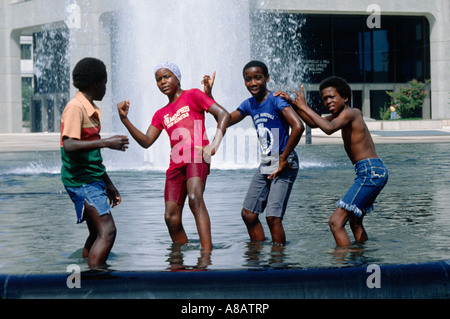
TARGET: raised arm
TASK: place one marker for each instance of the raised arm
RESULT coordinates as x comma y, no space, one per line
301,99
144,140
329,124
208,83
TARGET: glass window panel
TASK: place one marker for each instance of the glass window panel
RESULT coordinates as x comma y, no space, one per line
412,49
356,100
343,45
317,38
378,53
347,48
37,116
381,57
379,99
315,102
51,61
25,51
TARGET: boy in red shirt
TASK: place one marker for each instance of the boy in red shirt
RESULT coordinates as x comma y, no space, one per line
184,121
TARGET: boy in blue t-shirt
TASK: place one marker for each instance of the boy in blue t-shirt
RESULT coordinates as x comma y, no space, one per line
272,183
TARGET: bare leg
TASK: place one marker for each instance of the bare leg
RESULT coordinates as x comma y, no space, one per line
92,233
337,225
195,189
173,218
356,224
103,229
276,230
254,227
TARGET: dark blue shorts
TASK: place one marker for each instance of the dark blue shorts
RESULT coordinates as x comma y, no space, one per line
371,177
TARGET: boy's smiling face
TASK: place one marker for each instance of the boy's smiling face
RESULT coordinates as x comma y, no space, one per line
332,100
256,82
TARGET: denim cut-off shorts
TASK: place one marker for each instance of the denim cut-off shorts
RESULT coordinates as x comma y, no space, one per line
371,177
94,194
271,196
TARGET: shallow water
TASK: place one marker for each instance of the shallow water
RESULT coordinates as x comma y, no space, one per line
410,223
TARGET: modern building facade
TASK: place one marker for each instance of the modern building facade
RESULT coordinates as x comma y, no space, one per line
377,47
59,39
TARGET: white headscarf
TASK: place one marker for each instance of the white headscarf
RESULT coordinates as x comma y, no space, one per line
169,66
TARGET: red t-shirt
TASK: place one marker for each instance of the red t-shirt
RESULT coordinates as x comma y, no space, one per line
184,122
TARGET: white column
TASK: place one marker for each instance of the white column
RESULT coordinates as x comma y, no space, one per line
10,87
440,60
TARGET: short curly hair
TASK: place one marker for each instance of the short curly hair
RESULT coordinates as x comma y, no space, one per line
87,72
258,64
339,84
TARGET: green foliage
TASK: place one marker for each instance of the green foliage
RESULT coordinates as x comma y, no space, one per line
408,100
385,113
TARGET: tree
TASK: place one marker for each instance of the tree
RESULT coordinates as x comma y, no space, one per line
408,100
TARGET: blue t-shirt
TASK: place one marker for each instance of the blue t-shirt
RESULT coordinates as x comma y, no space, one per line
270,123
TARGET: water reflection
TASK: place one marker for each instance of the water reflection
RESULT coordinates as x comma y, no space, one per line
175,258
351,255
256,257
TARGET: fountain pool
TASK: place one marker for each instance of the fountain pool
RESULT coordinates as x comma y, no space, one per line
410,223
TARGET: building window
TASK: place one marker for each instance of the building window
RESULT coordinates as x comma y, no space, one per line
347,52
322,45
412,53
396,53
27,93
51,78
343,45
319,47
51,61
378,100
25,52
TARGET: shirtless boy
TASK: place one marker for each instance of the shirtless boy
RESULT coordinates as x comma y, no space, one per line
371,174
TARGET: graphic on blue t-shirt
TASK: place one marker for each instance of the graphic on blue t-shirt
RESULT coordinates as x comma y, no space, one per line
266,139
271,126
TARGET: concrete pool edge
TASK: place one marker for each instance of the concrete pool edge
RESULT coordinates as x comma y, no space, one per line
409,281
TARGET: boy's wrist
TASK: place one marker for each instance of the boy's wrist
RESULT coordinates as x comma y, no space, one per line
283,158
107,180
